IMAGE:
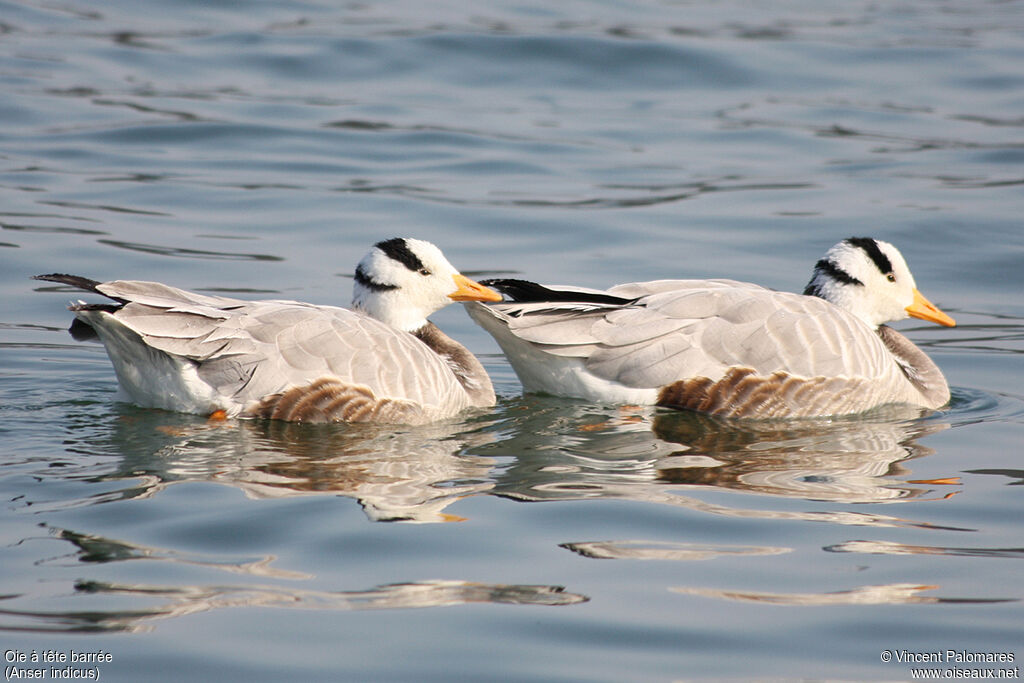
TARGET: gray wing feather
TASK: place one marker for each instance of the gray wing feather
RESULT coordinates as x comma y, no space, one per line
553,325
250,349
699,328
635,290
164,296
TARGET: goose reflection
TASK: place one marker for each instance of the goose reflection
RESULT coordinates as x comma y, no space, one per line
396,474
96,549
572,451
183,600
549,450
885,594
855,460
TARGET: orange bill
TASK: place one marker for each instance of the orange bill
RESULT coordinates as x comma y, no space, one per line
944,481
926,310
471,291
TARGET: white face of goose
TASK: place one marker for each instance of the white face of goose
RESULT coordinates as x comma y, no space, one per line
870,279
401,281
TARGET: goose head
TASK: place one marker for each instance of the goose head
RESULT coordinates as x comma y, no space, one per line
870,279
401,281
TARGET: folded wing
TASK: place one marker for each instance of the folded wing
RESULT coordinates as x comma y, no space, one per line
251,349
676,329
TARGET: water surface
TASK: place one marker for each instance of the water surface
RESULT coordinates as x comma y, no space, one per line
257,149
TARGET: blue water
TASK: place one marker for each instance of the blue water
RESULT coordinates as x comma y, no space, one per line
259,148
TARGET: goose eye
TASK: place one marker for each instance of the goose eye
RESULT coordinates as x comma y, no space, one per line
424,272
890,277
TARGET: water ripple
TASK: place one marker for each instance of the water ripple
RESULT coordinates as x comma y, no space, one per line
886,594
652,550
184,252
582,142
185,600
104,207
52,229
893,548
91,548
858,121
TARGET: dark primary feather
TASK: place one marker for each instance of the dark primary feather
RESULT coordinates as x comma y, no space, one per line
76,281
524,291
82,331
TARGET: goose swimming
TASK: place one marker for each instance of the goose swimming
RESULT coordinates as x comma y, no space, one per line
382,361
724,347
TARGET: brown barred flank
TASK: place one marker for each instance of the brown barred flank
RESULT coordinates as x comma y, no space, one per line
742,393
331,400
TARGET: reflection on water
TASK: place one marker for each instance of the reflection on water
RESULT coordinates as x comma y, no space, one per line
535,449
653,550
90,548
184,600
850,460
1016,475
571,452
887,594
396,474
530,449
892,548
539,449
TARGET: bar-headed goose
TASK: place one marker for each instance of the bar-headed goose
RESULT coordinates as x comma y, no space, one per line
724,347
380,362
